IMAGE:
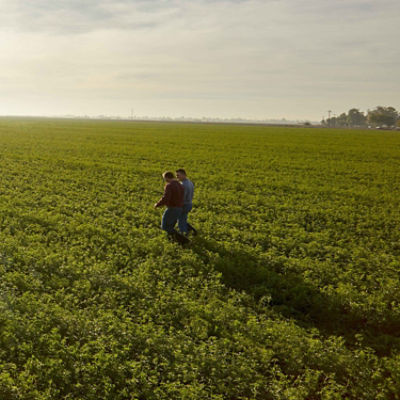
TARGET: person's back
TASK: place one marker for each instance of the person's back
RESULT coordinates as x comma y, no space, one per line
188,186
173,195
189,191
176,198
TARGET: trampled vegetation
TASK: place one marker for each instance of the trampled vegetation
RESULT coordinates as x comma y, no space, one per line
290,291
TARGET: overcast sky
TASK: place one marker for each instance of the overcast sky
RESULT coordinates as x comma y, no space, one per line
217,58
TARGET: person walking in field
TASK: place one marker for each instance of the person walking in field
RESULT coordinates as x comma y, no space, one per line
173,200
188,186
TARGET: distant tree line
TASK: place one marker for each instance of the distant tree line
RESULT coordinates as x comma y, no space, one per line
387,117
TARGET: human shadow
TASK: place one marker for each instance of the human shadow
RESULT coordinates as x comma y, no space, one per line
286,292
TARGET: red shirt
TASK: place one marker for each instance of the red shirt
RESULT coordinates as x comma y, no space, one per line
173,195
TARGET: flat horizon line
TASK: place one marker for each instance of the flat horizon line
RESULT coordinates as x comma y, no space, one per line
237,120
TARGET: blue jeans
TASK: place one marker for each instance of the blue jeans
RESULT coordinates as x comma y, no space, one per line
182,220
169,218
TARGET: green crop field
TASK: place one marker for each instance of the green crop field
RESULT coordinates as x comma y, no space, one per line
291,290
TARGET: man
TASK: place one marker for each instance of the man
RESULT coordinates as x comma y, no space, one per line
173,199
188,186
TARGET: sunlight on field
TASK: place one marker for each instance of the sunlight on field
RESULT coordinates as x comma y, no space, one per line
291,290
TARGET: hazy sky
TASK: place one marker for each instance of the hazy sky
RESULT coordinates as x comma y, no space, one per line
217,58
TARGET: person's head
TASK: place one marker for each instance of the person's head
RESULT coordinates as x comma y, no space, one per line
168,176
181,174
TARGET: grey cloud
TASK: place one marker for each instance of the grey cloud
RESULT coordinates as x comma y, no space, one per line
341,9
63,17
77,16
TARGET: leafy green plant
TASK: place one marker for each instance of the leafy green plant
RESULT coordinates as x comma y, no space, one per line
290,291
